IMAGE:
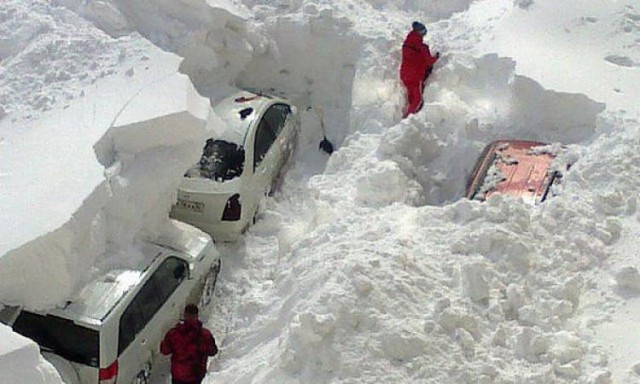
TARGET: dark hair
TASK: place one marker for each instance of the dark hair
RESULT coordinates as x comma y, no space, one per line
418,26
191,309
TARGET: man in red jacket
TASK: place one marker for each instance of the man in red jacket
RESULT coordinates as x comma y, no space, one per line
190,345
417,63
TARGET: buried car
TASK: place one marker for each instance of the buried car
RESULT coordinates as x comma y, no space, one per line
518,168
239,165
111,330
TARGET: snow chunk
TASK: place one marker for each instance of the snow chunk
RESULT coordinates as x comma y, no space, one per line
474,282
404,343
310,344
21,362
165,112
382,185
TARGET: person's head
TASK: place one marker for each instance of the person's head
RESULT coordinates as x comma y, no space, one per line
191,312
419,27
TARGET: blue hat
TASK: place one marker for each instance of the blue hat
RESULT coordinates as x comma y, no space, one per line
418,26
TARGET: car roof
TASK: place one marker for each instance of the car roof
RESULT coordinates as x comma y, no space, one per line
239,111
99,297
513,167
96,300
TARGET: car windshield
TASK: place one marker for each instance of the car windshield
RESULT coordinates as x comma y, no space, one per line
63,337
220,161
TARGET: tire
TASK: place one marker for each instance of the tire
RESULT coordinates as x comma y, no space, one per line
209,286
140,379
143,376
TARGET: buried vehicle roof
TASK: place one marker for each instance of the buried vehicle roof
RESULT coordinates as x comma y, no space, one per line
514,167
94,301
238,112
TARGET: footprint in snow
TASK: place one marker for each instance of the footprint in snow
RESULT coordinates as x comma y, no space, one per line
588,19
622,61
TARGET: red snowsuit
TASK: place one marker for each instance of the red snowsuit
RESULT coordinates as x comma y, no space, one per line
416,62
189,345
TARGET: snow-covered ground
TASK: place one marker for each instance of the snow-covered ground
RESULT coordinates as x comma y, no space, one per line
367,266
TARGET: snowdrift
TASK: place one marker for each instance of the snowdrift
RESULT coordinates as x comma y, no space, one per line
155,135
21,362
365,266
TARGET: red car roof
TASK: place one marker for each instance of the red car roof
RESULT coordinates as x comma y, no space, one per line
512,167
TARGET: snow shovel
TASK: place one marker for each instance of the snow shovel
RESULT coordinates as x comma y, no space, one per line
325,144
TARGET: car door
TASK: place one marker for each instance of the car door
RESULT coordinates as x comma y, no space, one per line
153,310
173,287
265,160
276,119
282,119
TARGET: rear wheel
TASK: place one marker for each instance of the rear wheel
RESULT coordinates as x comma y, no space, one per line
63,367
140,379
209,286
143,376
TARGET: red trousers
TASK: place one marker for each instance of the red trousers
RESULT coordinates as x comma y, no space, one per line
414,95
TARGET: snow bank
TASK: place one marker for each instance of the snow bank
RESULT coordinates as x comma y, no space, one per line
148,124
21,362
432,9
154,137
471,102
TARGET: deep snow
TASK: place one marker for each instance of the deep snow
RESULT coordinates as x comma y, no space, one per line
366,266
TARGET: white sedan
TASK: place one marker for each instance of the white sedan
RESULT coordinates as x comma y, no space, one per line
239,166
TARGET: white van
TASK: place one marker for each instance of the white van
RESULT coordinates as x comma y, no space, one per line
111,331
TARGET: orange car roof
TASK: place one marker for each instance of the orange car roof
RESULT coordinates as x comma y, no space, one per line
513,167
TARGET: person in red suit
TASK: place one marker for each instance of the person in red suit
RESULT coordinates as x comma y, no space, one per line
190,345
417,64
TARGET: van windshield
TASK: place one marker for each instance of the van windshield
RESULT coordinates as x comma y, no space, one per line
63,337
220,161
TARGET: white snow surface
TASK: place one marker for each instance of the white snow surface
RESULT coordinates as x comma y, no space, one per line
21,362
367,266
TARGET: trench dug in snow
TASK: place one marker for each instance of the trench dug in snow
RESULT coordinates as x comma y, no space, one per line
286,305
470,102
351,81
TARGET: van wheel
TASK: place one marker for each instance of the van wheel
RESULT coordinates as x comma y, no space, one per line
209,286
142,378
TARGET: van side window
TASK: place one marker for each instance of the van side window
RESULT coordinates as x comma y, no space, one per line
153,294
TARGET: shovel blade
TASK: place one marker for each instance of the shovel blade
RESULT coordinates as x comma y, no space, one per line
326,146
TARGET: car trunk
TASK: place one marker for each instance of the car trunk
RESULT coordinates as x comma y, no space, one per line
201,200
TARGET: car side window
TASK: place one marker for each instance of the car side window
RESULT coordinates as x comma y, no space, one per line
153,294
277,116
268,130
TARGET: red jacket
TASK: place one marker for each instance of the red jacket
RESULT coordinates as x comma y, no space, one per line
416,58
189,345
